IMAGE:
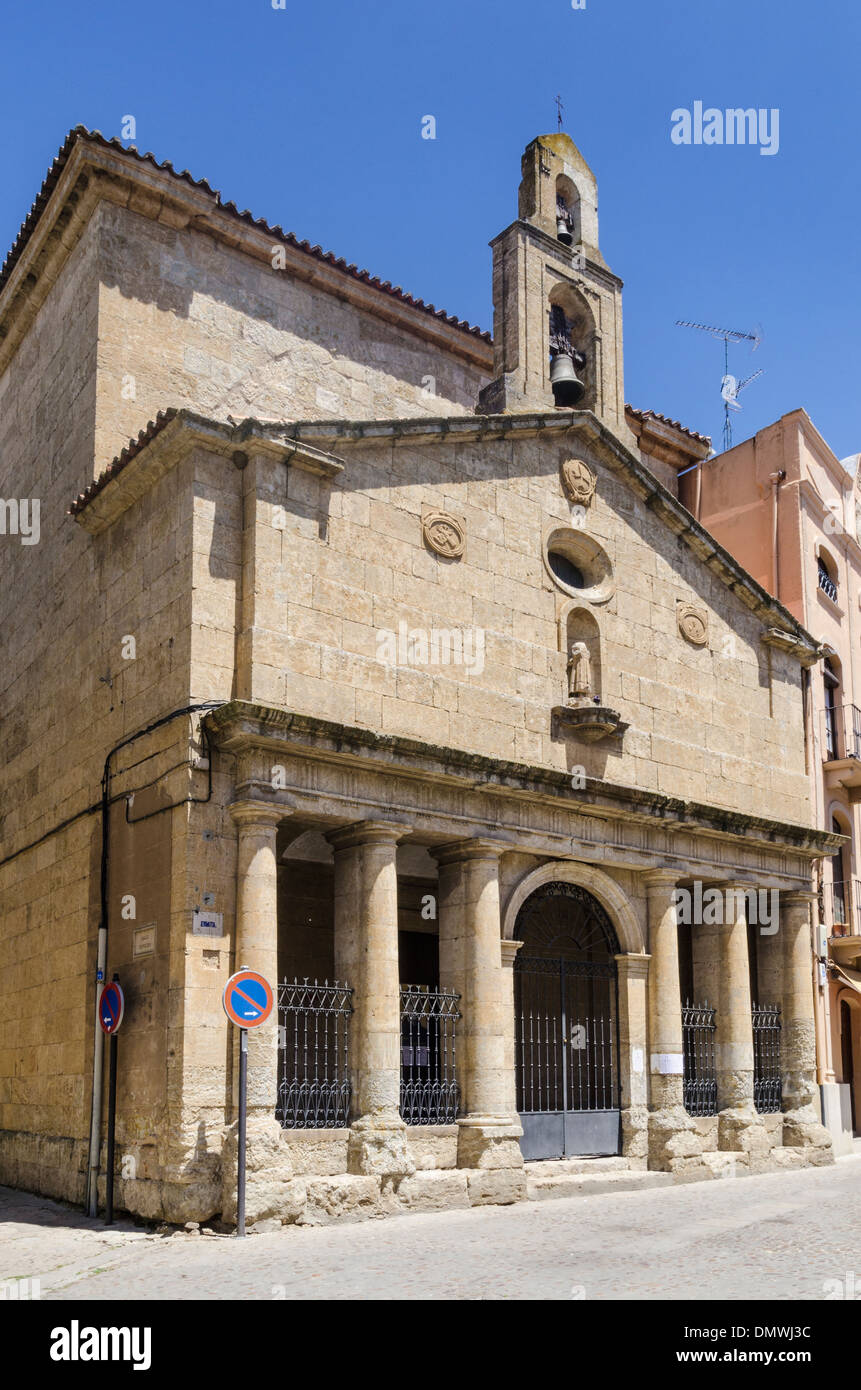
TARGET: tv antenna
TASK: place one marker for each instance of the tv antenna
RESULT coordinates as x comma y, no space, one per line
730,387
559,109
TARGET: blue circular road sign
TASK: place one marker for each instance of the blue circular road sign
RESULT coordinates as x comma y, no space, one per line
112,1006
247,999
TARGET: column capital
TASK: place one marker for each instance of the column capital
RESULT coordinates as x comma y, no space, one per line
656,879
798,897
634,965
250,812
476,847
509,952
367,832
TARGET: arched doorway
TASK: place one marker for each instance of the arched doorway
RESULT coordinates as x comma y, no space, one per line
566,1024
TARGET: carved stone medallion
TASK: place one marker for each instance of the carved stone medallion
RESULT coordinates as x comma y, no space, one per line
579,481
693,623
444,533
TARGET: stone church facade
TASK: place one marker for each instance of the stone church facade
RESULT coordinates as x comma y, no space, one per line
384,661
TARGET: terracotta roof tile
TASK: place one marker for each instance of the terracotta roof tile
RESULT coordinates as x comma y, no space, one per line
95,137
117,465
665,420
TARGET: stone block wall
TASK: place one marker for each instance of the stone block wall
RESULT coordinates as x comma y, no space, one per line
186,321
338,566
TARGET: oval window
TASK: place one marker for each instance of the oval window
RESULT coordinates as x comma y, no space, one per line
565,570
578,564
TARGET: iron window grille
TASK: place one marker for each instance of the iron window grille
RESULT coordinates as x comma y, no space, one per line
698,1047
314,1089
429,1091
766,1058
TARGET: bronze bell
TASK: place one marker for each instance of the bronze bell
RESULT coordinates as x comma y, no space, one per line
568,389
563,230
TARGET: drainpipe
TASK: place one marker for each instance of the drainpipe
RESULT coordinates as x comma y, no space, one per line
95,1141
775,479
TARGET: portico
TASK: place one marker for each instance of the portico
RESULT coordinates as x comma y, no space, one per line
489,879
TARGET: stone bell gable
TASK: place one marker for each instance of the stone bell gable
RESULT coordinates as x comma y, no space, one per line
554,295
519,588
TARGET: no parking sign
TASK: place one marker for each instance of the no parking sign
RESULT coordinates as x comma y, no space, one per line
247,999
248,1002
112,1006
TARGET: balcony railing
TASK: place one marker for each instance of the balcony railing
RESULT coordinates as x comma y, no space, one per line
843,905
841,732
827,584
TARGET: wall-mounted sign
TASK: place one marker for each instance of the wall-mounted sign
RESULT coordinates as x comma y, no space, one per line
206,923
143,940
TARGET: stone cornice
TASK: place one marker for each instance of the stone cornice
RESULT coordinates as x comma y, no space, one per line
562,255
240,725
170,439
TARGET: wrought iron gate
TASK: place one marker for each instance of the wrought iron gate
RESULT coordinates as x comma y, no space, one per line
566,1025
313,1055
698,1043
766,1058
429,1092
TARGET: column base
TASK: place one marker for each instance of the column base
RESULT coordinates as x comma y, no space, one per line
741,1130
635,1134
674,1141
489,1141
802,1130
268,1171
378,1146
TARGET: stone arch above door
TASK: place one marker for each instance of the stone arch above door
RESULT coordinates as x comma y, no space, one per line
610,895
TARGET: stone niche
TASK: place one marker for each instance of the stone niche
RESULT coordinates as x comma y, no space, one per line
583,712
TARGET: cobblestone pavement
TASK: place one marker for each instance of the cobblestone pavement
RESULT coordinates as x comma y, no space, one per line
773,1237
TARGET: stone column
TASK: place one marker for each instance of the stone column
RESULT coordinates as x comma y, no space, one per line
801,1121
740,1128
366,957
255,939
509,955
674,1144
633,974
471,963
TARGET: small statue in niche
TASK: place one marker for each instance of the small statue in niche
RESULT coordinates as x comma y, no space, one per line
579,672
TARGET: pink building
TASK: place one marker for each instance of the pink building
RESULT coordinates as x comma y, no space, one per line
790,511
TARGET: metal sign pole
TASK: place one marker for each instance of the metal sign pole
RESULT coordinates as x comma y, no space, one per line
243,1106
112,1125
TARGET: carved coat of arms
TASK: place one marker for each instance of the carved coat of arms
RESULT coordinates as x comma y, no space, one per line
444,533
579,481
693,623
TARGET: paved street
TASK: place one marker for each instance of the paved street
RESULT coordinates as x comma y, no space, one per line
773,1237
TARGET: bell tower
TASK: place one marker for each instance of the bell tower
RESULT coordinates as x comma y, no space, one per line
557,307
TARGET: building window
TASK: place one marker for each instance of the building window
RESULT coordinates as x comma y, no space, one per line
831,683
827,582
839,885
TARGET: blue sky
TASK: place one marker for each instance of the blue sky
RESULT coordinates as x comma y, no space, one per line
311,116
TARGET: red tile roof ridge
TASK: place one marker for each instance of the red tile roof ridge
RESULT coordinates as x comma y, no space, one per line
81,132
665,420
